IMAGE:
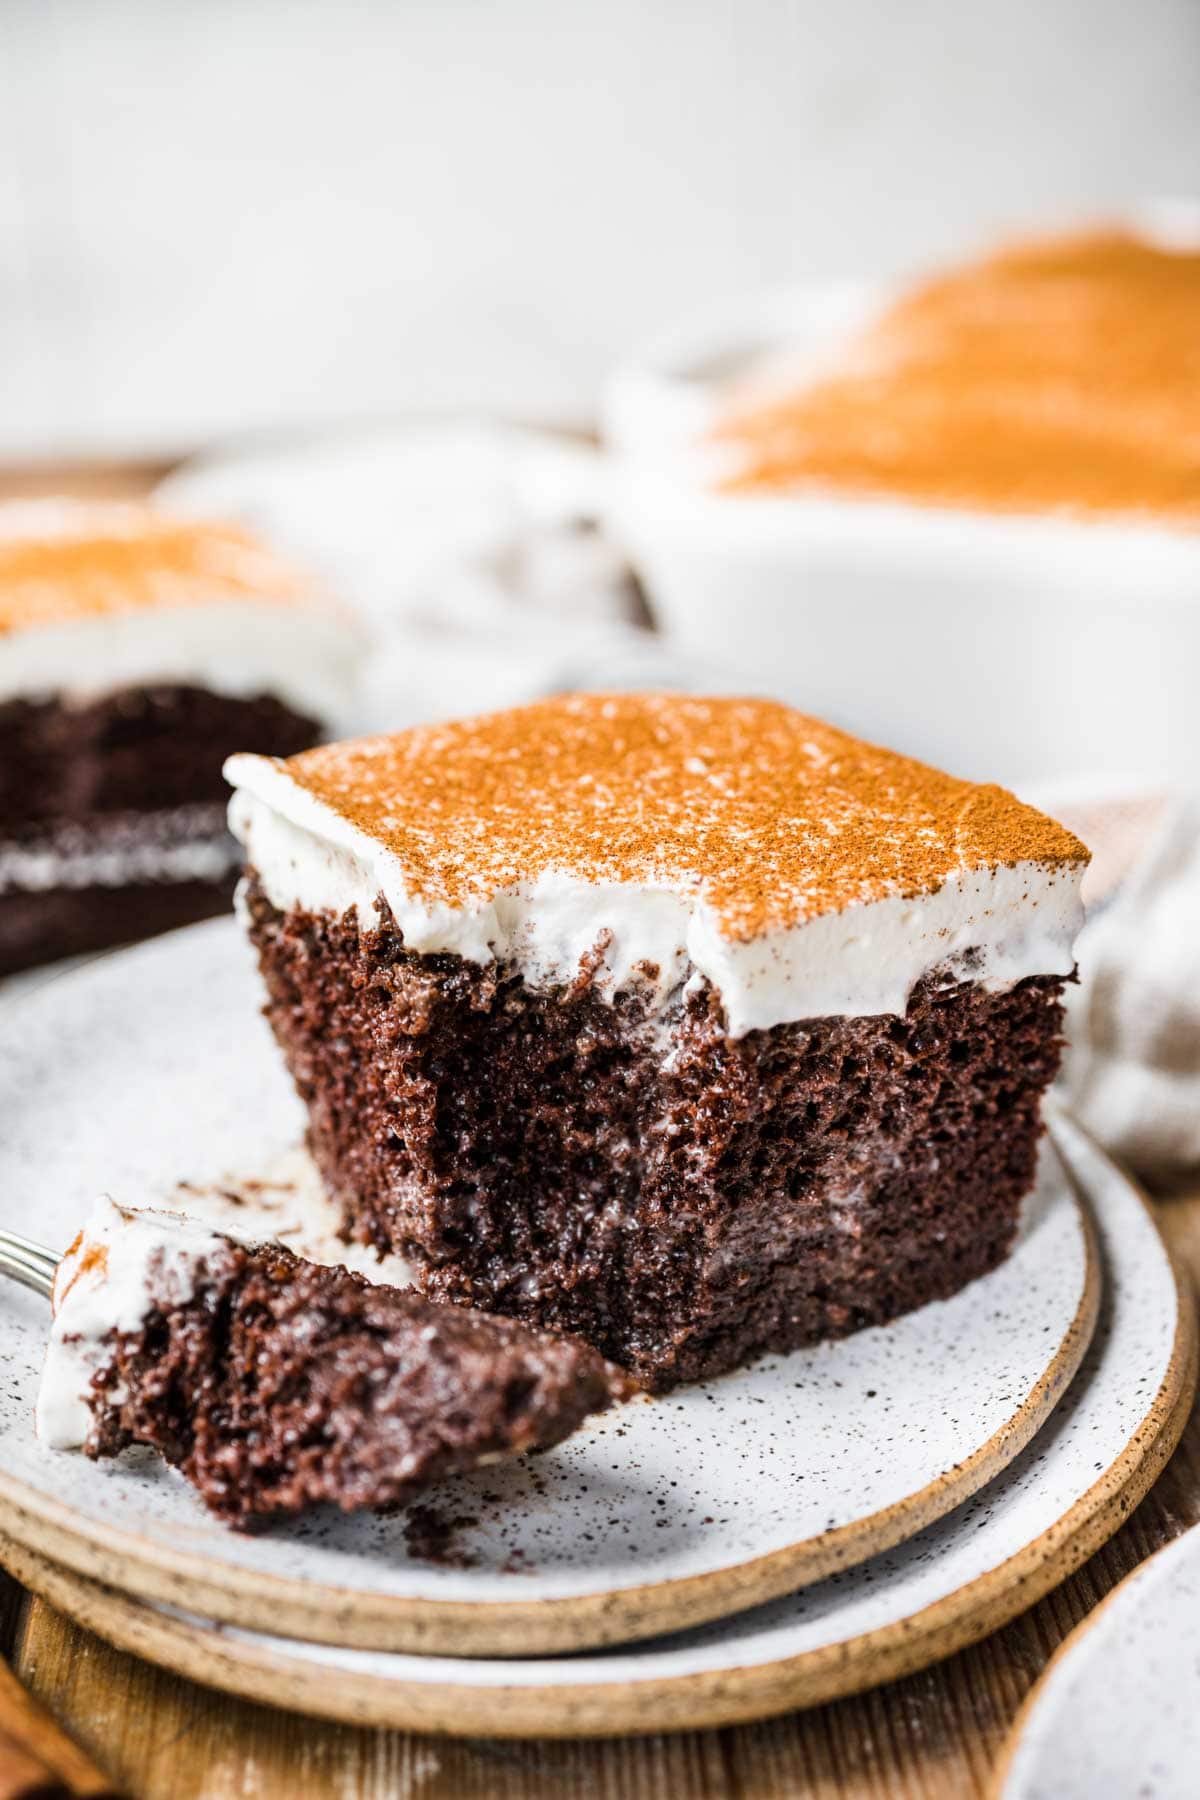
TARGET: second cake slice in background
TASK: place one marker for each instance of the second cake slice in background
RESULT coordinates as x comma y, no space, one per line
137,651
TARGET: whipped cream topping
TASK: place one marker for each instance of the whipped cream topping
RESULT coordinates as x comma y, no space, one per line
241,648
96,597
175,844
995,924
108,1281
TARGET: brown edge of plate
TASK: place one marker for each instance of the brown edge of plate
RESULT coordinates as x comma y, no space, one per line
679,1703
353,1619
1016,1731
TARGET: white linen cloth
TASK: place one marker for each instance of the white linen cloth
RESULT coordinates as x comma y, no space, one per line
1132,1073
471,552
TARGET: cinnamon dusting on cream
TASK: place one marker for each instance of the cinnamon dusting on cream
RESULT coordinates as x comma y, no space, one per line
82,1258
768,816
1056,376
63,560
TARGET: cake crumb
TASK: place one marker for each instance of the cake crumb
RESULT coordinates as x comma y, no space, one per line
430,1535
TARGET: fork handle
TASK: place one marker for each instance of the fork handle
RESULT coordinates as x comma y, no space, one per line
38,1761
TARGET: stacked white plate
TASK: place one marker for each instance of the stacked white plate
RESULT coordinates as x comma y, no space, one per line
1142,1645
802,1529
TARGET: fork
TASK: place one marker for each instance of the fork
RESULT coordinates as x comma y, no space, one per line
29,1263
36,1756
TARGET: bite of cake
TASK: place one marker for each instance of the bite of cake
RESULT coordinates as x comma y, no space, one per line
136,651
694,1028
275,1384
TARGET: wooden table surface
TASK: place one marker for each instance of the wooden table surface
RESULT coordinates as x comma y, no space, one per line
933,1736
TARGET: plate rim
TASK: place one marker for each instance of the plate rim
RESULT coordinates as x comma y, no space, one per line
1017,1731
355,1618
709,1698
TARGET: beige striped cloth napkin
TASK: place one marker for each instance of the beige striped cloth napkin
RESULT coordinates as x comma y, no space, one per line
1132,1073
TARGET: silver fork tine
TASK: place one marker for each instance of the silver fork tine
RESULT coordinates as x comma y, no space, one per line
29,1263
23,1243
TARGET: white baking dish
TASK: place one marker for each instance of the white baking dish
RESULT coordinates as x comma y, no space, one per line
997,646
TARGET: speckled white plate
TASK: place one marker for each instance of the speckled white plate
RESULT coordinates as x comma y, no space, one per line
1117,1712
956,1581
154,1065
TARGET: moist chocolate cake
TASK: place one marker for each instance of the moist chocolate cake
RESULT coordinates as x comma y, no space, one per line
275,1384
695,1028
137,651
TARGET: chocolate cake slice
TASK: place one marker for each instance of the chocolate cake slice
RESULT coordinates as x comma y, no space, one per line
274,1383
695,1028
137,651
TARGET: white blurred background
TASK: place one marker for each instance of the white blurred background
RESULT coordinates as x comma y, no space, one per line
295,238
227,217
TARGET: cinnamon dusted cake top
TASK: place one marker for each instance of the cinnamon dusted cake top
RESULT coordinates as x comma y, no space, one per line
1061,375
63,560
793,865
95,598
772,817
